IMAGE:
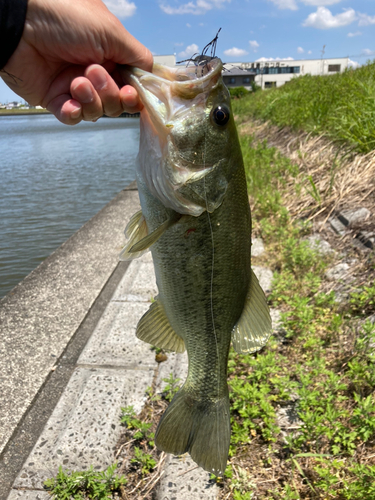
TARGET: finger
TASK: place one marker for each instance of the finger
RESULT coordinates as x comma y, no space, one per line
83,91
66,109
130,99
106,88
58,99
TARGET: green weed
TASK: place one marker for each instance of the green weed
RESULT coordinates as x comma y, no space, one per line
171,388
141,430
363,302
85,484
143,460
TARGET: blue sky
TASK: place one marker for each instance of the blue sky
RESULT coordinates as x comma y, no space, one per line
251,29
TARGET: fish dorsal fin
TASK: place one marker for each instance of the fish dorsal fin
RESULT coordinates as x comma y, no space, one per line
136,230
254,327
150,239
154,328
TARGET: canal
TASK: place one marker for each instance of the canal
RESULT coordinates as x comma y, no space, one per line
53,179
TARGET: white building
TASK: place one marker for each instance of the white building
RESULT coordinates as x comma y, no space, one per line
167,60
269,74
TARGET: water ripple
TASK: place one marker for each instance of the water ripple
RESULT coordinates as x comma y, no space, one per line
53,179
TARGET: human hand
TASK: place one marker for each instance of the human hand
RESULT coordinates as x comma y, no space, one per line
66,60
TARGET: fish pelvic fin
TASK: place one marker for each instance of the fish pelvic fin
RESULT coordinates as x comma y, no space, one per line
154,328
136,230
200,428
254,327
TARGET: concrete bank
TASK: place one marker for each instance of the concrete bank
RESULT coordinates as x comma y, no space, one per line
42,315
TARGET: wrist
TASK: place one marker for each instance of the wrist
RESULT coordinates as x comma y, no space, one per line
12,20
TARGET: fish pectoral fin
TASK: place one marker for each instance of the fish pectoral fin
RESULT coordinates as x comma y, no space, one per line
150,239
154,328
136,230
254,327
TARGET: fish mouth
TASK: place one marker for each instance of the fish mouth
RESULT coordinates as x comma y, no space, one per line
165,91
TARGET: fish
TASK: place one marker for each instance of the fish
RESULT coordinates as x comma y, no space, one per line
195,218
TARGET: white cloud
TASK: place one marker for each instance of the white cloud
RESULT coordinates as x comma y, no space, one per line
300,50
188,25
310,52
121,8
365,20
234,52
285,4
320,3
189,51
323,19
254,45
266,59
368,52
353,64
357,33
197,8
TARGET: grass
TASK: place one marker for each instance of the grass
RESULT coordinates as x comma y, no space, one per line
85,484
340,106
320,367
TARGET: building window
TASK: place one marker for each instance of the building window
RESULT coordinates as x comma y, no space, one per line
269,85
295,69
231,80
334,67
246,79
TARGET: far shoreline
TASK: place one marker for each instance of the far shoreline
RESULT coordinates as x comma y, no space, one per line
20,112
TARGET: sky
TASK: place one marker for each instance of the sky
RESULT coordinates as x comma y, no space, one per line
251,30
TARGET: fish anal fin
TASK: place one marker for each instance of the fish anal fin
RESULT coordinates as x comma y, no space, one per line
201,428
254,327
154,328
136,230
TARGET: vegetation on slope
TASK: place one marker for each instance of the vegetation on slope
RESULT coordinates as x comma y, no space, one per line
319,369
342,106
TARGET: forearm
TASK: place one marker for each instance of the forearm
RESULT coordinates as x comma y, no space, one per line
12,20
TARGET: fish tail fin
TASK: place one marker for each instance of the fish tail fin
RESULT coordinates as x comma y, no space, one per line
202,429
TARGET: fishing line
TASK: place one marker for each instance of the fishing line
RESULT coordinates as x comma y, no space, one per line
211,286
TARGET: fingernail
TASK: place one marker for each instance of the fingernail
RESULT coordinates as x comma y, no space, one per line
83,94
99,80
75,113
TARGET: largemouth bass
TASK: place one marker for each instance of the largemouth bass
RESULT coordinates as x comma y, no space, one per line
196,220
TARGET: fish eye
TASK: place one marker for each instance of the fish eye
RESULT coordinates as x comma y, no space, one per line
220,115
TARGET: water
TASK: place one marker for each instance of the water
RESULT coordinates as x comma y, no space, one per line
53,179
